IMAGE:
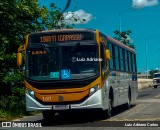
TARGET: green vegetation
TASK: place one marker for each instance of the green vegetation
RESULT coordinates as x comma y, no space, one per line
124,37
19,18
151,73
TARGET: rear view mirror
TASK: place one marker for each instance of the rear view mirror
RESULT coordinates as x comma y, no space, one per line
19,59
107,53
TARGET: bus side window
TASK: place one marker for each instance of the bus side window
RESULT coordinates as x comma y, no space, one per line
129,61
116,58
111,59
113,56
121,59
123,52
134,64
126,60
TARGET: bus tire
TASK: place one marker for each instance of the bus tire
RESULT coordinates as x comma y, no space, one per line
109,110
48,116
110,101
155,86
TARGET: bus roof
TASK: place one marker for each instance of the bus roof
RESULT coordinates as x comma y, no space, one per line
61,30
114,41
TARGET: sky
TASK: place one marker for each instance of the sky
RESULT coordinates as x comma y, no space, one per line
142,17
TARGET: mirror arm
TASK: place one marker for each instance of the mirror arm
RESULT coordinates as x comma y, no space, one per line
21,48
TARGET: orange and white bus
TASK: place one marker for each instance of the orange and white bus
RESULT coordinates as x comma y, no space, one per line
77,69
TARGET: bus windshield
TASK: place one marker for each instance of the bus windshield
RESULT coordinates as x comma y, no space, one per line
156,76
62,62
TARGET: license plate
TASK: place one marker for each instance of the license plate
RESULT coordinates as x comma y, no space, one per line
60,107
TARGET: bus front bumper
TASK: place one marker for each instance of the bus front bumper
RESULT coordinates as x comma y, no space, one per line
93,101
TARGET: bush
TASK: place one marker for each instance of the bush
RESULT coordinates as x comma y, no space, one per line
12,104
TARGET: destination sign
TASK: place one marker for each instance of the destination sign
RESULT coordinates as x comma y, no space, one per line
60,37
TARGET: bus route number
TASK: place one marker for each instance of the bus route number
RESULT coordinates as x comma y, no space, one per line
61,38
47,38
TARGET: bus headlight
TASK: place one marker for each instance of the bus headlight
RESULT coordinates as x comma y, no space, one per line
93,89
154,81
30,92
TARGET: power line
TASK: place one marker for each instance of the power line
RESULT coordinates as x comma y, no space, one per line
67,6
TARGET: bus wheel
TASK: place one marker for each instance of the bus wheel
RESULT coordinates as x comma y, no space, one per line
128,104
109,111
48,116
155,86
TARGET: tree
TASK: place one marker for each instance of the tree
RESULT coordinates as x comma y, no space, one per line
124,37
151,72
19,18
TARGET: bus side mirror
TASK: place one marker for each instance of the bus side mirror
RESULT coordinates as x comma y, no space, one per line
19,59
107,53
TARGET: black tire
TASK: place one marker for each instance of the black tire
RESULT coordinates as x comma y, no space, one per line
128,104
48,116
155,86
109,110
110,103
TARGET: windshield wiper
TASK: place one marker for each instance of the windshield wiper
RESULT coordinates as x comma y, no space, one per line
46,48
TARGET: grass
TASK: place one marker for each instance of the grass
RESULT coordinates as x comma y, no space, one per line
9,116
5,116
13,106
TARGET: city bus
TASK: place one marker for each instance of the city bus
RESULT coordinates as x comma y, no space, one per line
77,69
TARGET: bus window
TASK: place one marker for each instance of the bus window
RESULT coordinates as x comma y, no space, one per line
135,63
121,59
129,61
111,59
116,58
126,60
113,56
133,60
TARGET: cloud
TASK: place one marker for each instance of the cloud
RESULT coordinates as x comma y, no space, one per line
144,3
81,16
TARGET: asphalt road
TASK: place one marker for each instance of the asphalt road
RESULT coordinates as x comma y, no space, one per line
145,111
